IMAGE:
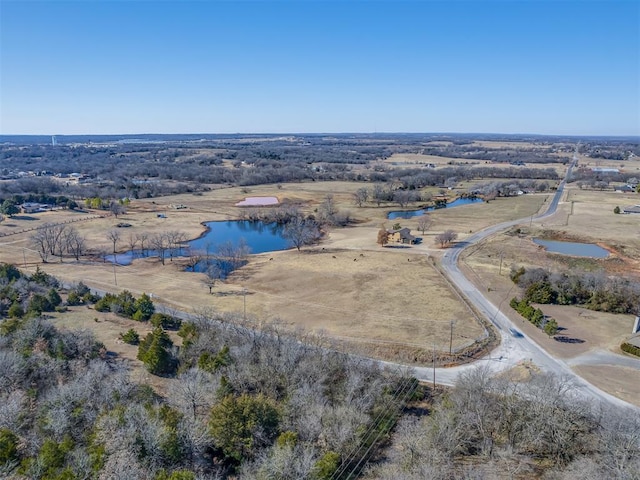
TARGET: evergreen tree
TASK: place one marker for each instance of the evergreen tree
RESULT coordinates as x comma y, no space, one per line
145,307
240,425
155,353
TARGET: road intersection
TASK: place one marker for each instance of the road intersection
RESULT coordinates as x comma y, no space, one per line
515,346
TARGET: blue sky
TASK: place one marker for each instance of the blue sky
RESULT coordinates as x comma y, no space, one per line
548,67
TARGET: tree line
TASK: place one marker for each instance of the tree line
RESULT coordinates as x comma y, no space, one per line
594,291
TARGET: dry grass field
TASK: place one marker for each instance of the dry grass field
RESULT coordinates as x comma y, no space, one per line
390,302
413,160
621,382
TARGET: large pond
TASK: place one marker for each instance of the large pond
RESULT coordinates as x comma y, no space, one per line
260,237
416,213
573,248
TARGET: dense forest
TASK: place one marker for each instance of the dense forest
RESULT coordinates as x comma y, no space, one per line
147,166
260,404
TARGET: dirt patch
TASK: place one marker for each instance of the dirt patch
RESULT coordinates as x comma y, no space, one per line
621,382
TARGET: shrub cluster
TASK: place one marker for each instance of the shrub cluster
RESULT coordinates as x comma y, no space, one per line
125,304
534,315
593,291
524,308
632,349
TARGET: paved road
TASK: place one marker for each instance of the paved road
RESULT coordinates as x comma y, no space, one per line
515,346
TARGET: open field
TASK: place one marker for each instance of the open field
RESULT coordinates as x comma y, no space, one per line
382,301
630,166
390,301
413,160
621,382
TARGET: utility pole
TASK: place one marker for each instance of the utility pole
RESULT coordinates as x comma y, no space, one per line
244,303
451,338
501,255
434,366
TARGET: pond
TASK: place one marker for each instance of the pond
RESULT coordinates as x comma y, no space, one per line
573,248
260,237
416,213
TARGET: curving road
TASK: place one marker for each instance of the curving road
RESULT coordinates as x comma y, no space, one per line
515,346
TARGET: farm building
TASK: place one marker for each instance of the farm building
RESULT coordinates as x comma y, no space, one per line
631,209
402,235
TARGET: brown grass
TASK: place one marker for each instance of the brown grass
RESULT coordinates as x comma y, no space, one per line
621,382
415,160
390,300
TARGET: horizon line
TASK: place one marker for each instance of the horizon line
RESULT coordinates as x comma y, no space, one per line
621,135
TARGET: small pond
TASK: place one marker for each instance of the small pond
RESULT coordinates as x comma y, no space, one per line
573,248
416,213
260,237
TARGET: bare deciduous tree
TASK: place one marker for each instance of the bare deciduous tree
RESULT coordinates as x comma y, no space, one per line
48,240
404,197
301,232
361,196
175,239
75,243
424,222
213,273
383,237
116,208
113,236
191,393
142,238
160,243
446,238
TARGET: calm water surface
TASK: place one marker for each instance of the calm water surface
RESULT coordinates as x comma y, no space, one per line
260,237
416,213
573,248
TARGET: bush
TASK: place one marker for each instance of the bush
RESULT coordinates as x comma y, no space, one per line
9,272
241,425
326,466
143,307
38,304
9,326
131,337
176,475
632,349
104,304
155,353
524,308
8,446
73,298
15,310
165,321
90,297
54,297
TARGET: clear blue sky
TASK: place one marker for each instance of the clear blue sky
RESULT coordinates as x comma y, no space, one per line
548,67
